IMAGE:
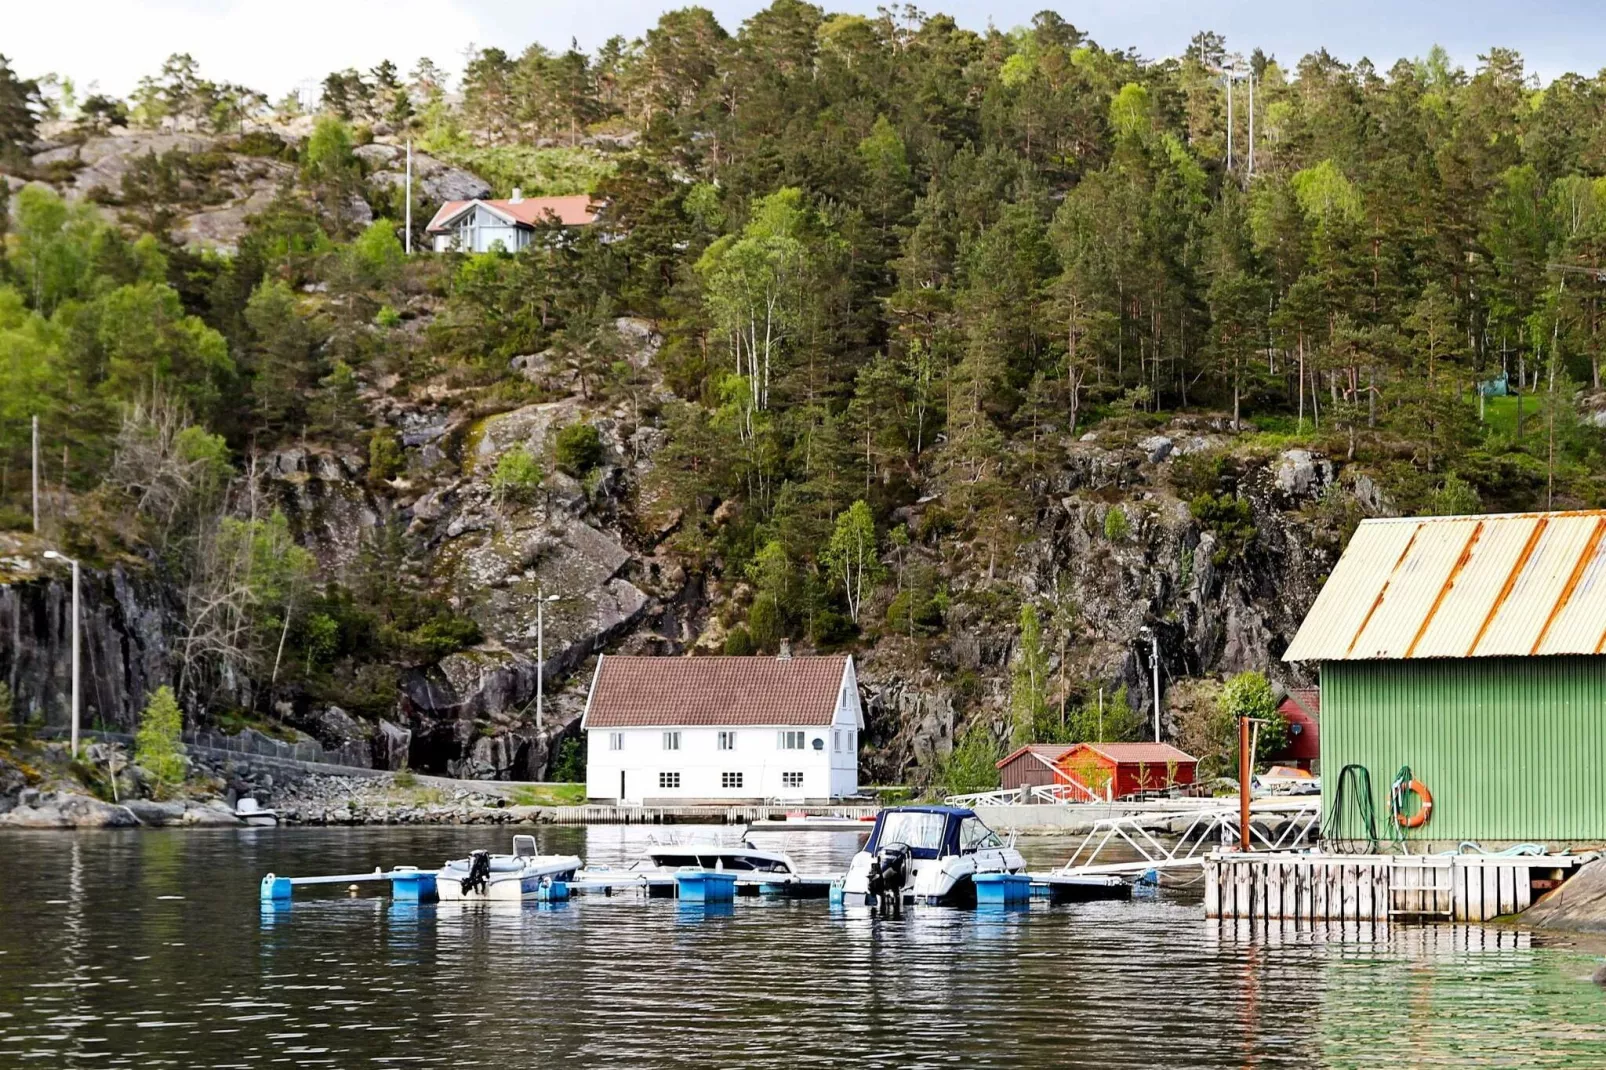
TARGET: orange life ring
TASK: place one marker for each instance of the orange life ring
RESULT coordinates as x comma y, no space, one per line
1425,811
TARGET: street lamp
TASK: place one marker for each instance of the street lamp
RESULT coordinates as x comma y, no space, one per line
541,600
52,555
1154,664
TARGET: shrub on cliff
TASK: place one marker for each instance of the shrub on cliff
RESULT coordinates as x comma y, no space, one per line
158,746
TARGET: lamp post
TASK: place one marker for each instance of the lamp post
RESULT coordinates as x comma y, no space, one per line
1154,665
52,555
541,600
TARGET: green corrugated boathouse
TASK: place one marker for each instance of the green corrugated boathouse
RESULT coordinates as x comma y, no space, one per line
1470,650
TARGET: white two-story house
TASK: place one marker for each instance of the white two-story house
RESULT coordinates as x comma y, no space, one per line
478,226
722,728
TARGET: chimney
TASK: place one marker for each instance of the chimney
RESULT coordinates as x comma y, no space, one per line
518,195
786,651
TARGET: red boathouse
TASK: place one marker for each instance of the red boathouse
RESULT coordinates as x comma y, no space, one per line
1109,771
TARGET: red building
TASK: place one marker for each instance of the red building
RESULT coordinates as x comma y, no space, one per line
1032,766
1109,771
1302,709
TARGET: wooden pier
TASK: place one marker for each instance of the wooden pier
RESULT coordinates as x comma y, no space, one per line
1378,888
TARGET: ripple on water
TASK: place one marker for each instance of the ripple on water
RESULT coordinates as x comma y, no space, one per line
209,979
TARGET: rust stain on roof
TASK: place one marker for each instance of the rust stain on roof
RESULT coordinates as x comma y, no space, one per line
1377,603
1449,582
1572,582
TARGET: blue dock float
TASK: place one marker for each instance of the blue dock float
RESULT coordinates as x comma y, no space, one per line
705,886
1002,889
408,884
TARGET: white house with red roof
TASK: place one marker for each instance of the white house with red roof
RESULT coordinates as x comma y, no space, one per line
722,729
477,226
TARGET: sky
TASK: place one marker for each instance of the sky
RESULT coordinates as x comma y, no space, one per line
284,44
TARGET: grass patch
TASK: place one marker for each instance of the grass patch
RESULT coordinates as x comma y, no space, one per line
554,794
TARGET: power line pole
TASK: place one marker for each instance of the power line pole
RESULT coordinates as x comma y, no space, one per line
1251,122
36,475
1227,75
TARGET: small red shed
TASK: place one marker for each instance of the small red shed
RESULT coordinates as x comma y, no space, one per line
1032,766
1302,709
1115,770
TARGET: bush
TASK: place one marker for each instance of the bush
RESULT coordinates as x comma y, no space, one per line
388,317
385,457
158,745
1229,519
570,765
764,622
578,449
973,763
1116,525
517,476
738,642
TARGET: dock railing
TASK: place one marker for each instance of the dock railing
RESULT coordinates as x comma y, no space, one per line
1203,830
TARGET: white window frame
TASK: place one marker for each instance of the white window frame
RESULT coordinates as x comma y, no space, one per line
669,781
790,739
731,780
616,741
727,740
672,740
836,740
792,779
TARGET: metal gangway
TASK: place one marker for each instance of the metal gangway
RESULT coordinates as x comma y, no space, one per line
1206,830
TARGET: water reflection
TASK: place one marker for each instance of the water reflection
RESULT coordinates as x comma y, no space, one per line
96,967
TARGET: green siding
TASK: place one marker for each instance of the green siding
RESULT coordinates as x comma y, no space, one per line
1513,749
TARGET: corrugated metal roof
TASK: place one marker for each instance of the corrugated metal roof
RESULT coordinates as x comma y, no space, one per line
1518,584
1132,753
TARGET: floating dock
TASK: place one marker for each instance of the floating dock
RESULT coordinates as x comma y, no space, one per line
1378,888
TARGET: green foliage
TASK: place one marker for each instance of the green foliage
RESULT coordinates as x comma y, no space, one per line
577,449
569,766
1116,526
385,457
158,745
972,765
536,172
1230,519
1028,690
1456,497
850,557
1249,695
517,475
739,642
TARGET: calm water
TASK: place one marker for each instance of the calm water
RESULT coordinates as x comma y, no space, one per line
149,949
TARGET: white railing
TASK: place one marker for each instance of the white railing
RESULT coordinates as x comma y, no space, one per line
1006,797
1205,830
1064,793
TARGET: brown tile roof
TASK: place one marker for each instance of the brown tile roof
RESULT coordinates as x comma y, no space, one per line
574,211
639,692
1050,751
1132,753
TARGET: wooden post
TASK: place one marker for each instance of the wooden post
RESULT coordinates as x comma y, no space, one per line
1244,766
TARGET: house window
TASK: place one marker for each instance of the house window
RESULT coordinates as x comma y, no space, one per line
669,780
727,741
672,742
730,780
850,741
791,780
789,740
836,740
616,741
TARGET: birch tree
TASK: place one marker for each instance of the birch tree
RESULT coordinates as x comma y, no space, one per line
850,557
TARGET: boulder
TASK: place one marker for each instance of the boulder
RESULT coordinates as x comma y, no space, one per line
63,810
1156,447
1303,474
391,746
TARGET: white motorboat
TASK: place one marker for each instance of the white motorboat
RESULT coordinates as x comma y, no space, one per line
254,814
929,855
739,857
485,877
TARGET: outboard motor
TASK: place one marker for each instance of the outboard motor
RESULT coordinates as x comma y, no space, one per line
889,871
479,872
